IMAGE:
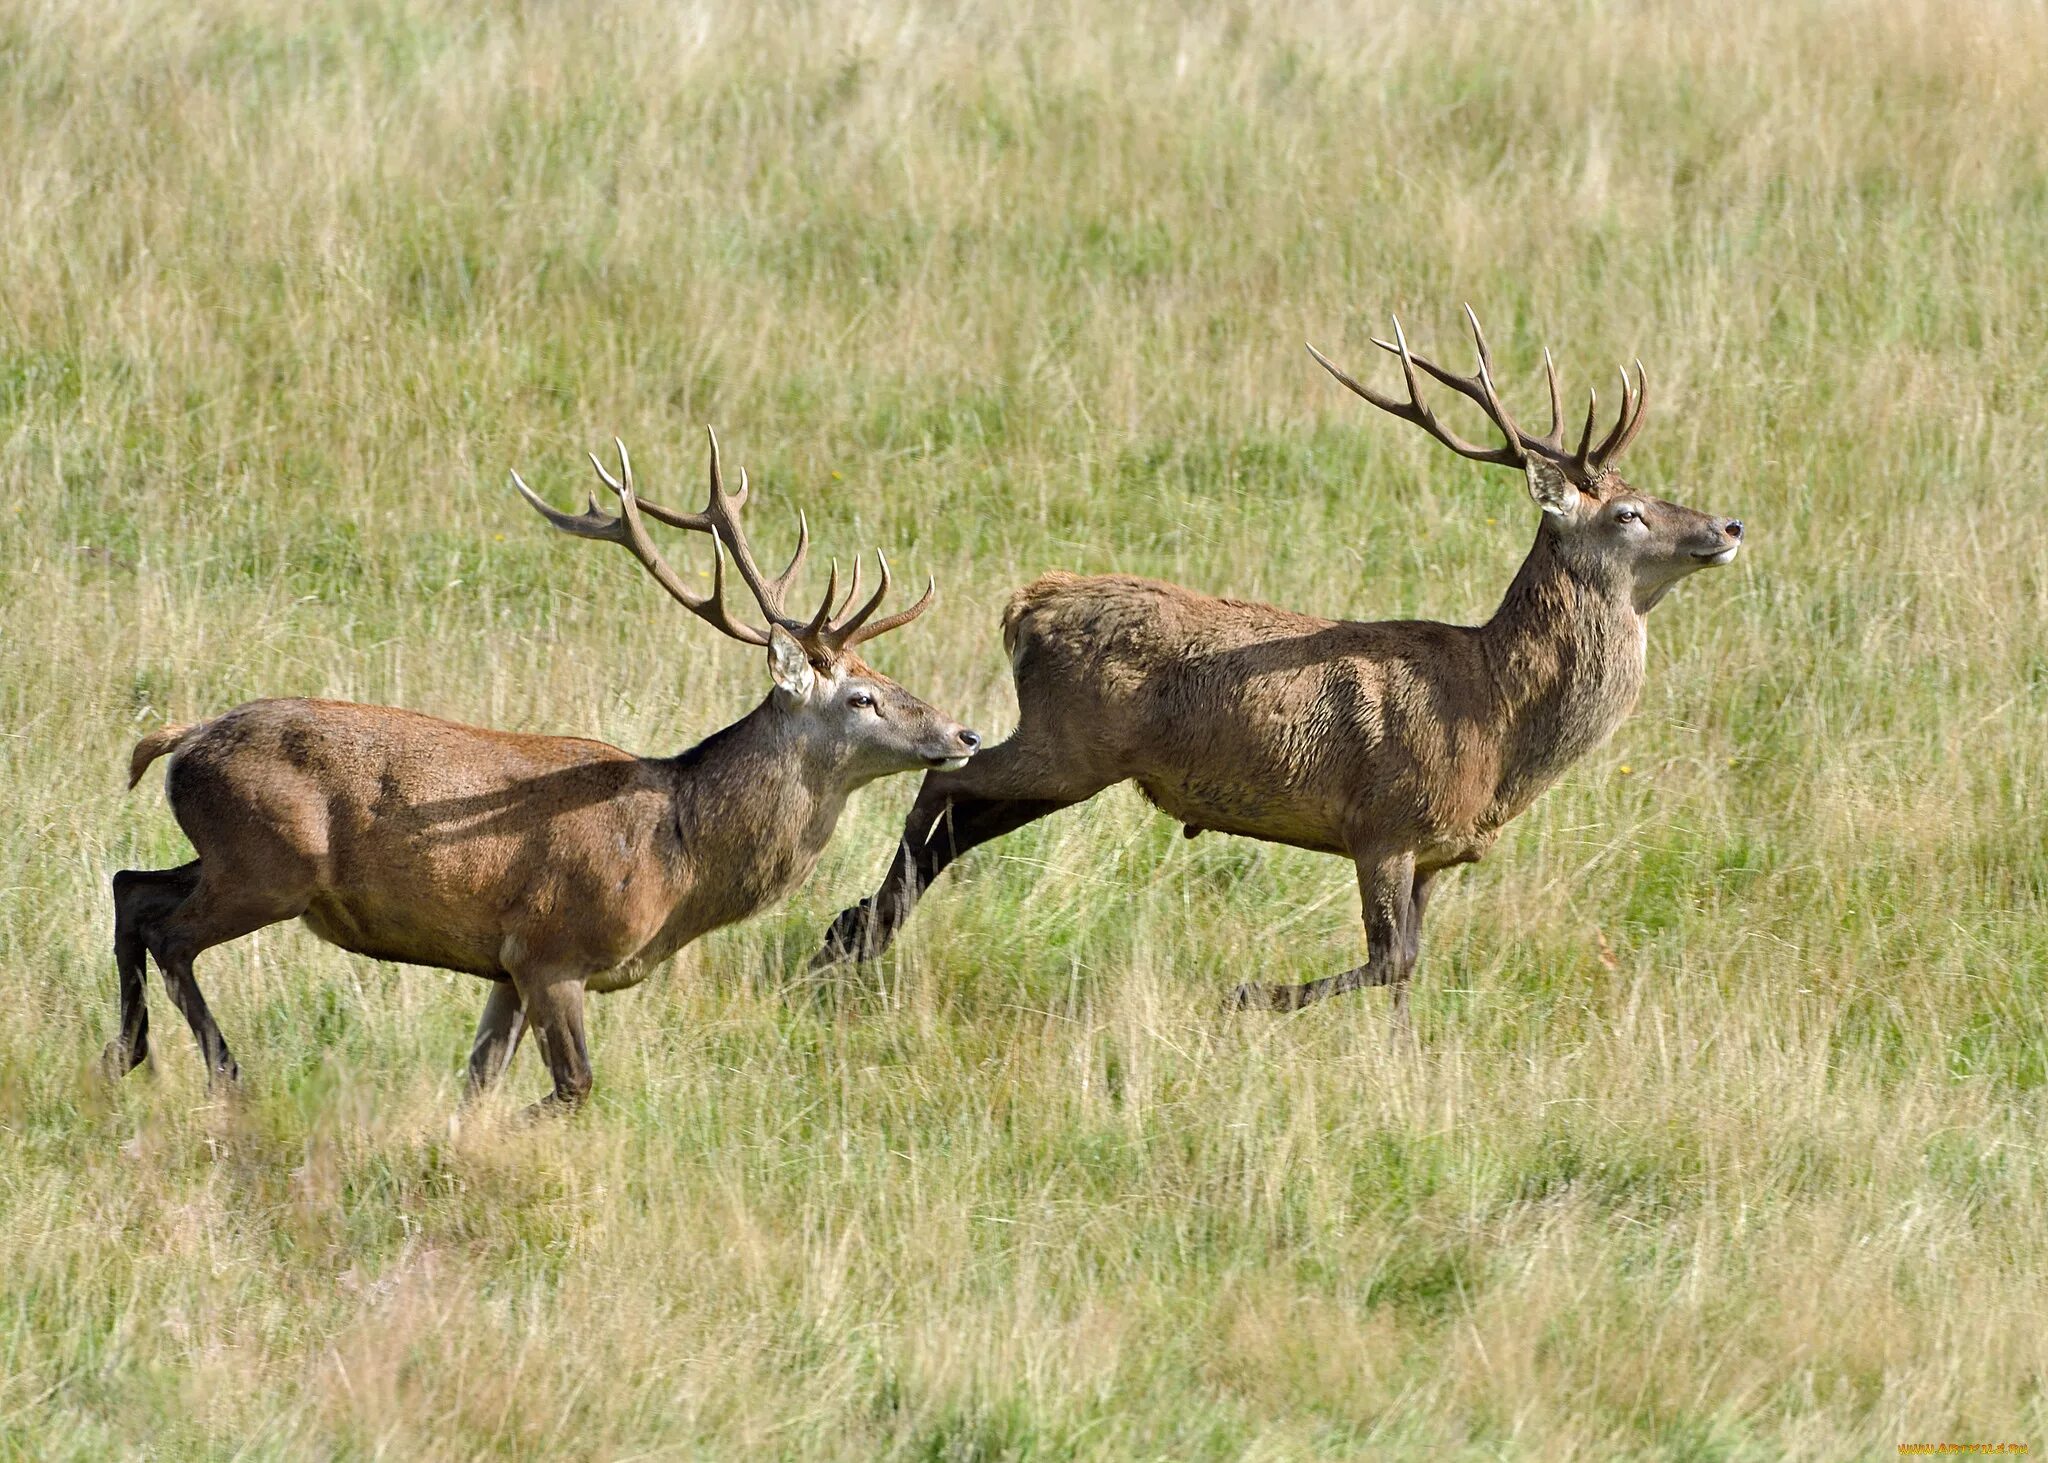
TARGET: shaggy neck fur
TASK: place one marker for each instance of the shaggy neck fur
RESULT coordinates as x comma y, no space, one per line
1566,656
753,811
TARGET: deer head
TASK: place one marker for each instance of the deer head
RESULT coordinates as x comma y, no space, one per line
1601,528
851,719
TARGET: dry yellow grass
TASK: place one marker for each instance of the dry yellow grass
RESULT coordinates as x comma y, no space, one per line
283,293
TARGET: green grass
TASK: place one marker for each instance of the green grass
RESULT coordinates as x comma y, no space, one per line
1723,1138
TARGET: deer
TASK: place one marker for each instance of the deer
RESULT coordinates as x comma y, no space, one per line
1402,745
550,866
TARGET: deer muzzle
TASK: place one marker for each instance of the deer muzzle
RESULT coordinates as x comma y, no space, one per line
1730,545
966,742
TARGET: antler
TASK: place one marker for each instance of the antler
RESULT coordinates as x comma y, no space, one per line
1584,463
823,634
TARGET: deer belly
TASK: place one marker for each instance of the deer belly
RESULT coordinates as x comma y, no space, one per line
643,962
621,977
403,935
1244,811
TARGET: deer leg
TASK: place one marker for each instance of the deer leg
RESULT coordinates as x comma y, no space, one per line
210,916
929,844
497,1036
554,1009
141,897
1386,888
1000,791
1411,949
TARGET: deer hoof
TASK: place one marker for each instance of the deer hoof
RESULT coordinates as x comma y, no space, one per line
117,1061
555,1106
1249,997
846,942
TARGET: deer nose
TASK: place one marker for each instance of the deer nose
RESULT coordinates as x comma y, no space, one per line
1733,528
970,739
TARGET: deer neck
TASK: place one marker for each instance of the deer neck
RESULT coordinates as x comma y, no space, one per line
753,809
1565,651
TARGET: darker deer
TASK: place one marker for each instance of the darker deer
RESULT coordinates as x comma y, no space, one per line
1404,746
550,866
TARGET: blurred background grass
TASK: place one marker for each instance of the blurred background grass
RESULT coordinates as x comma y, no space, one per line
1724,1134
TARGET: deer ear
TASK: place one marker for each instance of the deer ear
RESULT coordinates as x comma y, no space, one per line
1551,489
789,665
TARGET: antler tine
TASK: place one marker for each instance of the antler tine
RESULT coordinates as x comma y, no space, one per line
852,592
1621,421
781,582
1464,386
1627,434
1424,417
824,615
854,632
830,630
1580,458
674,518
1477,388
847,631
627,529
1555,437
1417,411
1495,408
1480,389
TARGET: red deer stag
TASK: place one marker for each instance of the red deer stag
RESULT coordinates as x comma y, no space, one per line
550,866
1401,745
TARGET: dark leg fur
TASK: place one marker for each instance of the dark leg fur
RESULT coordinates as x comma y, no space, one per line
1393,897
141,898
497,1037
936,833
206,917
554,1009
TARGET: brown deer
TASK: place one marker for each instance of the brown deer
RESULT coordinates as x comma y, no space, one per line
1401,745
550,866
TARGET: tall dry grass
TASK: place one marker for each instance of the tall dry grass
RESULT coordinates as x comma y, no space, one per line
1724,1135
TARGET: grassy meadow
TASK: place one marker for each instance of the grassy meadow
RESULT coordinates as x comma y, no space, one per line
1725,1133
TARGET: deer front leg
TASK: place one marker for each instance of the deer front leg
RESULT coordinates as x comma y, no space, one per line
1411,948
997,793
1388,890
497,1037
553,1002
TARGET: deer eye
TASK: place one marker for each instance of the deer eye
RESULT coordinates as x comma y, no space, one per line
860,700
1627,515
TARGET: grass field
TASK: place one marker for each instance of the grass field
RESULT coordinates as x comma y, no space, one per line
1726,1131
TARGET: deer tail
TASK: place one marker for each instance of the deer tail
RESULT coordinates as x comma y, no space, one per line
163,739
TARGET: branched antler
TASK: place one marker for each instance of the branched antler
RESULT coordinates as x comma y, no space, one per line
1584,463
825,634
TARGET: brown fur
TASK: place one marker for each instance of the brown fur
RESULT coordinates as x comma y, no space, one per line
553,865
1402,745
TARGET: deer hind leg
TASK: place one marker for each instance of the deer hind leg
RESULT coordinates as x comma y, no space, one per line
208,916
553,1005
1387,888
497,1036
997,793
141,898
